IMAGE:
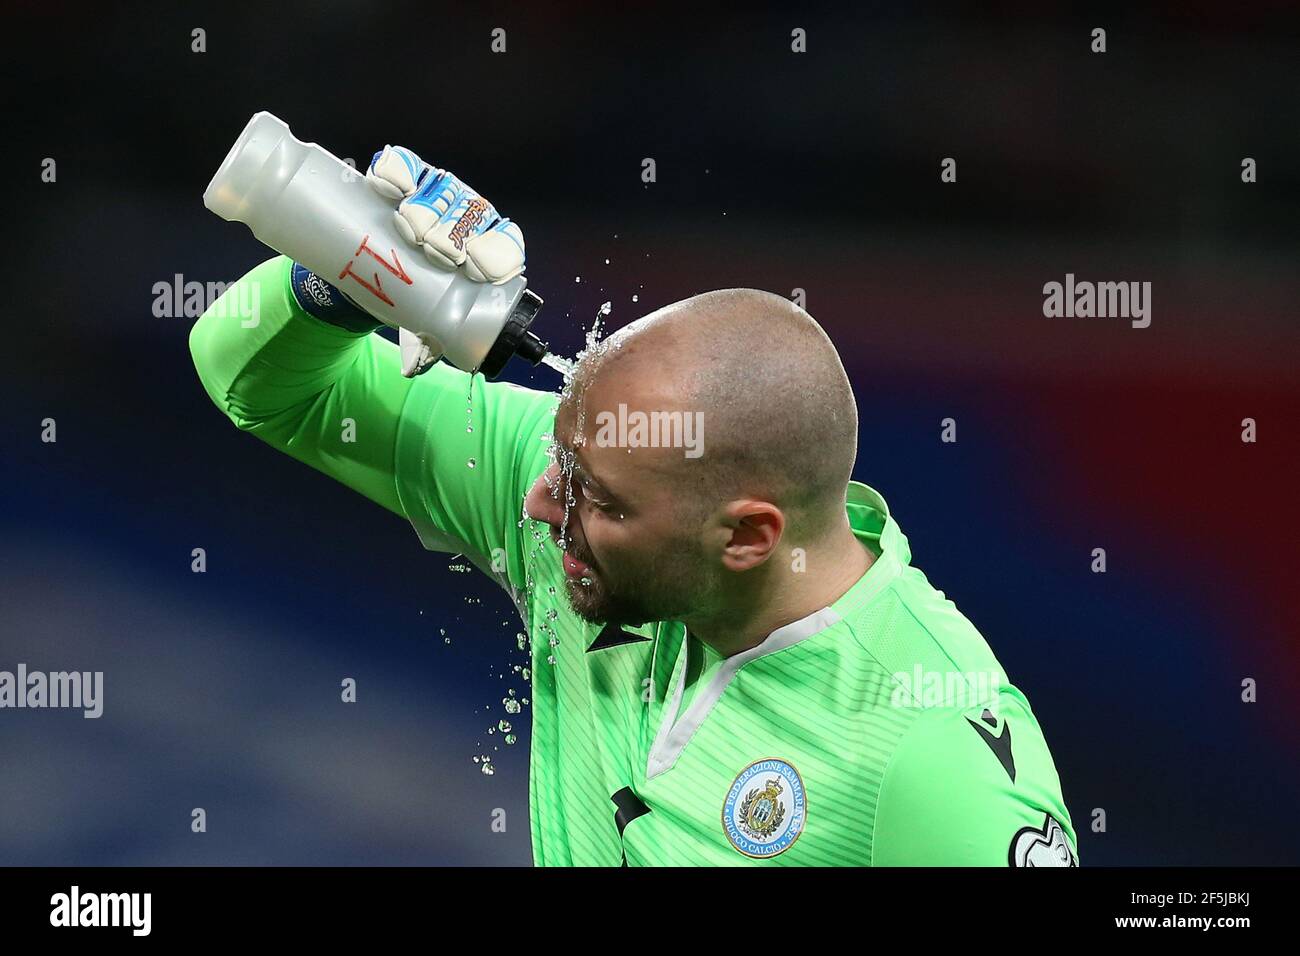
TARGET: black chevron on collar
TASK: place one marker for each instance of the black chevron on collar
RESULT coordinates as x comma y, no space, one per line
613,636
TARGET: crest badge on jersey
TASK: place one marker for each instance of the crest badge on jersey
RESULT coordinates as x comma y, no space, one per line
765,809
1042,846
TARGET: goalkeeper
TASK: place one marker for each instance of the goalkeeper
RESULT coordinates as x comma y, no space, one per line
733,660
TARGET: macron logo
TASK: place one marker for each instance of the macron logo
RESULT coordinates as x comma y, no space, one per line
102,909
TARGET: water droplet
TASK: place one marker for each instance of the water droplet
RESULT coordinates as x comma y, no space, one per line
635,297
472,463
504,726
551,660
511,738
512,707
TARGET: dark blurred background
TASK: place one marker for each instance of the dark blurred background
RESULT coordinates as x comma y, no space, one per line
815,171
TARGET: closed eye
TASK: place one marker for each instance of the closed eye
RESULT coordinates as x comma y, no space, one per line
594,500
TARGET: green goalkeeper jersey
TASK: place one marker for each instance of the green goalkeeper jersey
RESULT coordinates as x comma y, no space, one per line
879,730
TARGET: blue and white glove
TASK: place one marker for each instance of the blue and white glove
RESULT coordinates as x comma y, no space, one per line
447,218
455,226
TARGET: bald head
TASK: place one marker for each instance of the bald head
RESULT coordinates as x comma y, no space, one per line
779,421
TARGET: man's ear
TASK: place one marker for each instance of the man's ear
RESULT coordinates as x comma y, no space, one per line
756,527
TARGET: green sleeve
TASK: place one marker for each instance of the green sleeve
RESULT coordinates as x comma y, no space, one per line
958,794
336,400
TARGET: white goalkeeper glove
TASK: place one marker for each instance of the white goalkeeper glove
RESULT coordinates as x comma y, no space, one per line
455,226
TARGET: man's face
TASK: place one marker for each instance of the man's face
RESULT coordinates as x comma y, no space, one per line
628,558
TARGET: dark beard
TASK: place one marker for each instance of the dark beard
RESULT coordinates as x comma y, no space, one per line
596,603
596,606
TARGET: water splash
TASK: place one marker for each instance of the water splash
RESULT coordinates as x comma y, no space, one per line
595,345
562,365
561,460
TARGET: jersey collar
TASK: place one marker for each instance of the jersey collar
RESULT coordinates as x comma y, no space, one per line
869,518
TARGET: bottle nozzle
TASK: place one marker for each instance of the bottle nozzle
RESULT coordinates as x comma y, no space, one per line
515,339
530,347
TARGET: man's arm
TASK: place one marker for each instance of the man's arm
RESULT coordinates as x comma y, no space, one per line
335,399
292,380
967,789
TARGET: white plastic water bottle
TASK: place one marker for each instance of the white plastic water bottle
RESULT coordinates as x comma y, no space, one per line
309,205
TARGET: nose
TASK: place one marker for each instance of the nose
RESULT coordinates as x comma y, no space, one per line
544,501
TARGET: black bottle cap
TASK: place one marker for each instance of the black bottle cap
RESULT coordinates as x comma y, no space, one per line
515,339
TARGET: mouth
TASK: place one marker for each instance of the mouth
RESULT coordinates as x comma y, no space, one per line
573,567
